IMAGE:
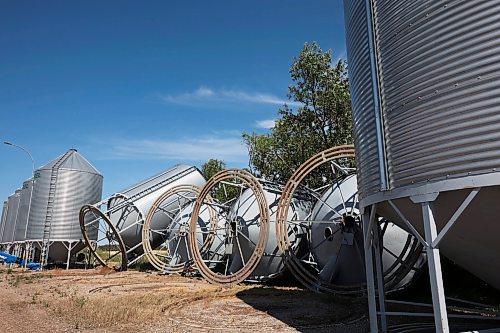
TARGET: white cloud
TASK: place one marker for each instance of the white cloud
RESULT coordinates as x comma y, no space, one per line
266,123
226,146
209,95
204,92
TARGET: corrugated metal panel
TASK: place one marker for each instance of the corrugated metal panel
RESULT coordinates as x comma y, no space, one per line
158,179
24,206
143,195
365,132
74,188
39,202
10,222
441,66
74,161
439,74
4,217
439,70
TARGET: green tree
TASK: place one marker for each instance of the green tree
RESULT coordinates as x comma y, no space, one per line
224,193
322,119
211,167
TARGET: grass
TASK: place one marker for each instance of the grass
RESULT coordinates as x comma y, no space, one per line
104,254
80,301
119,300
34,298
137,306
126,300
142,265
15,280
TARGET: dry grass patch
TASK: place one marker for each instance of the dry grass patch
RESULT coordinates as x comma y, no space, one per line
126,305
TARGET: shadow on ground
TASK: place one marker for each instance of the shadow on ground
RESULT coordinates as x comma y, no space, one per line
306,311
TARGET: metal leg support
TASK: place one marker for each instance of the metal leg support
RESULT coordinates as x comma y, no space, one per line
69,254
436,278
91,258
377,246
27,250
370,281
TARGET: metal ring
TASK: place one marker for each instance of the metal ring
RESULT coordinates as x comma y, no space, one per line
304,274
86,209
248,181
153,256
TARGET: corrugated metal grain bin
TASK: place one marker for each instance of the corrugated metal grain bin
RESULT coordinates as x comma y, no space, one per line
2,221
425,86
24,209
11,218
76,183
152,188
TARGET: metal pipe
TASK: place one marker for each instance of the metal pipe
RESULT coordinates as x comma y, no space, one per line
379,125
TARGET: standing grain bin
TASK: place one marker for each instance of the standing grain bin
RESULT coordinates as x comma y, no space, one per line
22,217
425,89
11,218
118,227
61,188
2,222
24,210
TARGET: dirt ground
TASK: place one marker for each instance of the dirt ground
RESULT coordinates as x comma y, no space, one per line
102,301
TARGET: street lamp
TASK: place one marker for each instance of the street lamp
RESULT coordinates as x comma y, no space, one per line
8,143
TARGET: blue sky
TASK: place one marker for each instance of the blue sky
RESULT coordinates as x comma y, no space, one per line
139,86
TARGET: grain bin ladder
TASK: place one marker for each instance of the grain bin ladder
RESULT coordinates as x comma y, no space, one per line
50,207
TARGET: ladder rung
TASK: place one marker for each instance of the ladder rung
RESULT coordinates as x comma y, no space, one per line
50,207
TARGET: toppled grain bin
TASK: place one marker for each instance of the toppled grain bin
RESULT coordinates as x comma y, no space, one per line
119,224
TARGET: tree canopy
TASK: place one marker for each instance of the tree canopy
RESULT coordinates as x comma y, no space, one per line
322,119
211,167
221,192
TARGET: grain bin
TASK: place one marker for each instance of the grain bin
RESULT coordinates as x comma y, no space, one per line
61,187
246,211
425,93
331,256
119,224
2,221
178,244
11,218
244,226
235,261
337,246
173,254
24,210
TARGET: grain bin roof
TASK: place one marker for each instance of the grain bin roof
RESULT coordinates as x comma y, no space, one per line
74,161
